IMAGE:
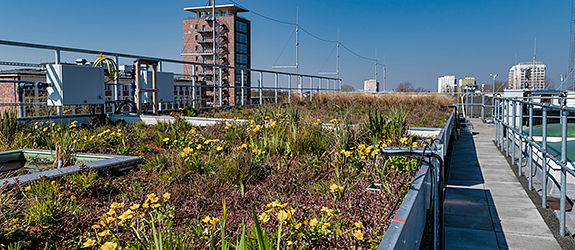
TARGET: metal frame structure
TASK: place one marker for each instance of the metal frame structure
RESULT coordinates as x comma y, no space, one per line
322,84
507,133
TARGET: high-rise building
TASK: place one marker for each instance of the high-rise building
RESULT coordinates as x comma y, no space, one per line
446,84
519,73
232,48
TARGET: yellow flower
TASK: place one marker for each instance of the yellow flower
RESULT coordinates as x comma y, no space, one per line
167,196
89,243
329,212
282,215
15,220
155,205
28,188
318,121
333,188
358,235
214,220
313,222
53,182
358,224
153,198
95,227
219,148
127,215
284,205
275,203
166,139
338,231
46,128
403,140
264,217
289,242
414,144
111,212
297,226
324,227
116,205
103,233
145,205
109,246
199,147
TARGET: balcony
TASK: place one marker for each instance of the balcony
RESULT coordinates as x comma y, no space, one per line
205,31
205,42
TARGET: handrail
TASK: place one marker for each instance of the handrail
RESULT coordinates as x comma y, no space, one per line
504,129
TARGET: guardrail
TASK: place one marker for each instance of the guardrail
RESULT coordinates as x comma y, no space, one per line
426,192
510,134
268,86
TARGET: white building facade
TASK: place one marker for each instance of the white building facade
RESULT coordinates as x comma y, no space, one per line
446,84
371,86
519,73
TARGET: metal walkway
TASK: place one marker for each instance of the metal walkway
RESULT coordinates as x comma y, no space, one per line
485,205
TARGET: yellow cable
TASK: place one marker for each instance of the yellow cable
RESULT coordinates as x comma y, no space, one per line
113,71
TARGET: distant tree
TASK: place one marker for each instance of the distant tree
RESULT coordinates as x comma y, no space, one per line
420,89
347,88
405,87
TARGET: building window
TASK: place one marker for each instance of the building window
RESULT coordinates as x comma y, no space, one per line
197,59
196,26
202,14
241,27
196,47
196,37
241,48
204,27
242,38
204,62
241,59
217,13
224,13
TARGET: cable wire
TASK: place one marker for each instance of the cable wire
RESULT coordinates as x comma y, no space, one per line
304,30
284,47
327,58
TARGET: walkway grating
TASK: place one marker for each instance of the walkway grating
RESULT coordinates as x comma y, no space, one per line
485,205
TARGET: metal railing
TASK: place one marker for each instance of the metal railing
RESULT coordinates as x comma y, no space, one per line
407,228
510,134
215,92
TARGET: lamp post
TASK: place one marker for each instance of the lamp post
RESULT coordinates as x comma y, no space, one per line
493,96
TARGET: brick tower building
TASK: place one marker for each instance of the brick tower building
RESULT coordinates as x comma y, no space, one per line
232,48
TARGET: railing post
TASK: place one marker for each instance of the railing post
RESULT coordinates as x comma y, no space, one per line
220,81
501,113
564,115
483,106
514,110
544,162
261,87
471,99
276,90
311,89
530,163
495,119
520,165
193,86
243,88
289,89
507,128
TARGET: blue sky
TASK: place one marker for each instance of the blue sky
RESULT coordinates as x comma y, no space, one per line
420,40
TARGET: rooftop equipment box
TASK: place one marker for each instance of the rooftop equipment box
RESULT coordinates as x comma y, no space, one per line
74,85
165,86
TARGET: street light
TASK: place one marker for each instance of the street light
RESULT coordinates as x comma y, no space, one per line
493,95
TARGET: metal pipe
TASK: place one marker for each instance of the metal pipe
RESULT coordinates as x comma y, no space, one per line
493,118
544,163
276,90
289,89
530,164
564,115
310,89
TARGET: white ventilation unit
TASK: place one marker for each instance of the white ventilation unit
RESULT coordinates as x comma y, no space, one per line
74,85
